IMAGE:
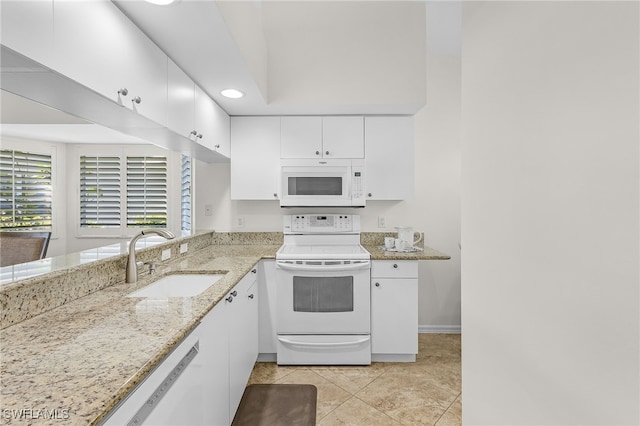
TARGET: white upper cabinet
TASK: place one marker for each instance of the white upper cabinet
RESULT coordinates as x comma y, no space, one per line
27,28
343,137
180,97
255,158
99,47
389,157
211,124
301,137
322,137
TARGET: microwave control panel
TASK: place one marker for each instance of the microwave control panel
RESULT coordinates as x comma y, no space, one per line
321,223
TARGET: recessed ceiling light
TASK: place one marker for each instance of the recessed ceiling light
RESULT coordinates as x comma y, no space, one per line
232,93
162,2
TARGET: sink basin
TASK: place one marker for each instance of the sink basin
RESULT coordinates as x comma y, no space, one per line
177,285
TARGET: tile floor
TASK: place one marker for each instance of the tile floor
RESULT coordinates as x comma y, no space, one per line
427,392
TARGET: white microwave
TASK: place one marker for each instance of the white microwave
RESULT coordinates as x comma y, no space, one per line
322,183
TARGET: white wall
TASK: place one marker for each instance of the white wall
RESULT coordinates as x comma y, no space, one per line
550,216
435,209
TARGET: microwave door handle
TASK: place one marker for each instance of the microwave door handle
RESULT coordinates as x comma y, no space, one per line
323,268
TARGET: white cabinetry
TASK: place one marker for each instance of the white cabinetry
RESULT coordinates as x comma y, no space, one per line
343,137
389,157
255,153
394,310
99,47
242,321
27,28
193,114
213,376
322,137
180,96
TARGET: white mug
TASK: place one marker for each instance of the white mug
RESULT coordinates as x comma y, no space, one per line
389,242
401,244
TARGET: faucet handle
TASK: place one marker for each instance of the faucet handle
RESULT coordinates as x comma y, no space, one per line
152,266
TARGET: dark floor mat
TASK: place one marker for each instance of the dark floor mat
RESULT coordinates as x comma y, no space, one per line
272,405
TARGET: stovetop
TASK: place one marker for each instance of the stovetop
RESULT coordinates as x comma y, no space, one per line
322,251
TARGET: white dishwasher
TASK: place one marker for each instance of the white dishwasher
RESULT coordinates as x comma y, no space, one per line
171,395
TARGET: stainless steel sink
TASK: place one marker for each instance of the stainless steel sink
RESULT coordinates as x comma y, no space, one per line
177,285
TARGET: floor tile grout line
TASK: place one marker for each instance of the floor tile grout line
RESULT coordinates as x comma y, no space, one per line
381,412
447,409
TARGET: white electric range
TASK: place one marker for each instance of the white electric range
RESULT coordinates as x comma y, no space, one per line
323,291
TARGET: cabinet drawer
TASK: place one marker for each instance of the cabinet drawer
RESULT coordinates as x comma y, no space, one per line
394,269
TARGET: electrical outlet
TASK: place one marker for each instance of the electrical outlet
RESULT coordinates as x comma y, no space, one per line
166,254
240,222
381,222
184,247
208,210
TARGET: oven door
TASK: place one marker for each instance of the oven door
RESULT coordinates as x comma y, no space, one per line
323,297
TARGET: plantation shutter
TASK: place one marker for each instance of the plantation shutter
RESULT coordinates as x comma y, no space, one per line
25,190
147,192
185,194
99,191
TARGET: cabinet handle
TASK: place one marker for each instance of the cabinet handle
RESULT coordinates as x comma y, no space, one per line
251,296
370,195
217,146
326,153
317,152
193,132
234,293
275,195
123,91
136,100
254,270
395,265
377,284
199,136
229,299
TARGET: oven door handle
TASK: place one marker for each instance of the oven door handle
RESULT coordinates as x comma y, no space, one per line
318,344
324,268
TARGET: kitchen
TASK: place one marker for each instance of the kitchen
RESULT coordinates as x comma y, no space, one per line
489,235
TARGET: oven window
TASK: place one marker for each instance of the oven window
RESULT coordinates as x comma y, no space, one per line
323,294
305,185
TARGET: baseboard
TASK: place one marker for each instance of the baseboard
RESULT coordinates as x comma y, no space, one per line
440,329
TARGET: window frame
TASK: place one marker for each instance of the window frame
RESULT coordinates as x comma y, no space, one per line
38,147
124,151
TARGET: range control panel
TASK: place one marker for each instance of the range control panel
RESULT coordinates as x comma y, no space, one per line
321,223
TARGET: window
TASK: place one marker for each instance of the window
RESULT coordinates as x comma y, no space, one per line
25,190
147,192
185,196
122,190
99,192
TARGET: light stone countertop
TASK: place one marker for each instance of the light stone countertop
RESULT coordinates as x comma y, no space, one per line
83,357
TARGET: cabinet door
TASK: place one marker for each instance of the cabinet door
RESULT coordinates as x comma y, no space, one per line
389,157
343,137
180,98
394,316
301,137
211,122
268,343
255,158
99,47
243,338
27,28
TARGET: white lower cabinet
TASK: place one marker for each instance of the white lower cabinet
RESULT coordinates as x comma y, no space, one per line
394,310
242,323
202,381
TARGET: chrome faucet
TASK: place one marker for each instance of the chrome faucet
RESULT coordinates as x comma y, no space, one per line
132,266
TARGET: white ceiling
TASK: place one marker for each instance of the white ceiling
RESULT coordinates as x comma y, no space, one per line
289,57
